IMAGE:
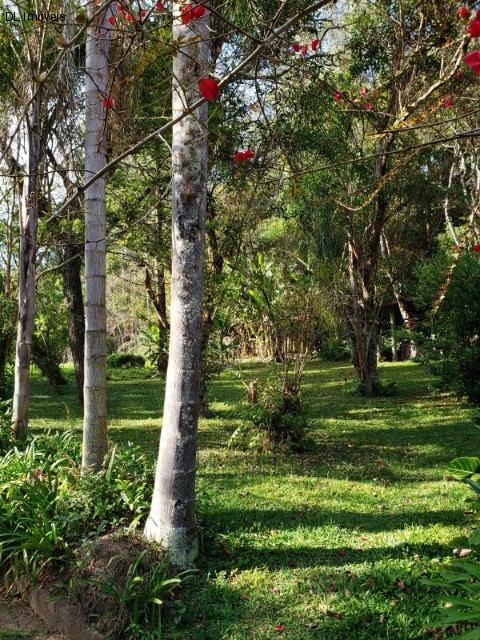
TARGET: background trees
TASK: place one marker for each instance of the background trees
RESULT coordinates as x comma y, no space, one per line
360,121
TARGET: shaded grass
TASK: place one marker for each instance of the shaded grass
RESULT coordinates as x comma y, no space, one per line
374,488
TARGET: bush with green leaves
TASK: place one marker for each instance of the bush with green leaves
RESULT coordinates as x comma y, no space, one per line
277,421
460,577
155,342
50,512
451,333
47,506
122,583
125,361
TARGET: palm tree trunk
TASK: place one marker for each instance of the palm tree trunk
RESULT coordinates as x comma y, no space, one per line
26,274
172,514
95,443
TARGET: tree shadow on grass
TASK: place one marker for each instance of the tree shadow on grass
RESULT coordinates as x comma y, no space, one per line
264,521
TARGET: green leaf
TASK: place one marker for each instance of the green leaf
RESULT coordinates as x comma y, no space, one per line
475,486
461,468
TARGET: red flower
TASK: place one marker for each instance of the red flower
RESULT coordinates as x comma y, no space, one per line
190,12
464,13
331,587
108,103
120,10
279,627
111,20
472,58
143,14
476,248
159,6
123,82
337,97
187,13
239,156
128,17
369,106
315,44
208,89
448,102
476,68
291,564
199,12
249,154
341,553
296,47
474,28
304,50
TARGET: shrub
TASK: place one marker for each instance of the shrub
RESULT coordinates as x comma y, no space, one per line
451,342
47,507
125,361
335,350
460,577
123,581
277,421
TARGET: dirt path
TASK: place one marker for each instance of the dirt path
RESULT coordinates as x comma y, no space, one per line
18,622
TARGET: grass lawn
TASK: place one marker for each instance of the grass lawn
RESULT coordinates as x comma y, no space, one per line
349,529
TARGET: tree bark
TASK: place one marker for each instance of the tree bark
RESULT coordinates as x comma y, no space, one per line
26,273
70,258
172,513
362,267
95,443
393,330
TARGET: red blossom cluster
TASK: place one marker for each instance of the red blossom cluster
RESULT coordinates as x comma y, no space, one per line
192,12
241,156
473,27
473,61
303,49
108,103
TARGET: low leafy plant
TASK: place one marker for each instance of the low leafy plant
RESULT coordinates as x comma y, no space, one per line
6,435
460,577
125,361
278,420
124,582
31,532
47,506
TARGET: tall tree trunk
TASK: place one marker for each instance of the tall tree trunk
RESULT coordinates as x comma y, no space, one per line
70,258
393,330
26,273
363,265
172,514
95,443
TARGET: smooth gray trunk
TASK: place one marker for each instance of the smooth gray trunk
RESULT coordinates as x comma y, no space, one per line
26,274
95,443
172,515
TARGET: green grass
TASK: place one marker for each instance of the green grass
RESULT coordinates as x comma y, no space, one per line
373,488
